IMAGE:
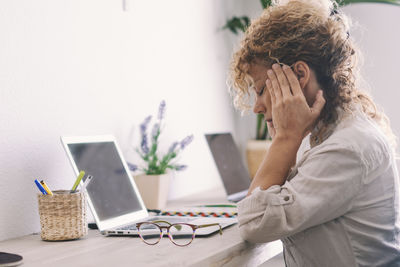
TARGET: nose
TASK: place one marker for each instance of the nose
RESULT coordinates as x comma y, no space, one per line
258,106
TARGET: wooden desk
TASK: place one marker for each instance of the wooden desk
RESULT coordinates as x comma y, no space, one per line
97,250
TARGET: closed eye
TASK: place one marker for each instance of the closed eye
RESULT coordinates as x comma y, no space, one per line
261,91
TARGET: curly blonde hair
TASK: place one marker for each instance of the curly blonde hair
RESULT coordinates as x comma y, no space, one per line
315,32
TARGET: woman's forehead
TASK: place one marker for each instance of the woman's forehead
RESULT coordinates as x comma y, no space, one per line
258,72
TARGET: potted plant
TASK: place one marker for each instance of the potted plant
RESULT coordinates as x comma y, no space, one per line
155,174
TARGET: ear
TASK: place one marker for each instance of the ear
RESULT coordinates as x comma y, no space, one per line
302,70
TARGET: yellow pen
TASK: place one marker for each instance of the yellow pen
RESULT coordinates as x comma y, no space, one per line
78,180
46,188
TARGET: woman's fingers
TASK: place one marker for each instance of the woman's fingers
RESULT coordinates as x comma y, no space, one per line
290,112
282,80
275,86
270,90
293,82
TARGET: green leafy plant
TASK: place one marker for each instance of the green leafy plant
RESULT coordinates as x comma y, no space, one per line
262,128
237,23
346,2
240,24
156,164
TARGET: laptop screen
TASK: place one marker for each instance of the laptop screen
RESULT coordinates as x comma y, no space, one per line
110,190
233,172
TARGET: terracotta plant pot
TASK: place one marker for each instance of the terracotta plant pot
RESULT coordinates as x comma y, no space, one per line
255,153
153,189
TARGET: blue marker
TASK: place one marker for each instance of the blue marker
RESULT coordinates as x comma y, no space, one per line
40,187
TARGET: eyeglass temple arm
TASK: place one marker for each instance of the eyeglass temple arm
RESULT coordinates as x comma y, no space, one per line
162,222
154,222
212,224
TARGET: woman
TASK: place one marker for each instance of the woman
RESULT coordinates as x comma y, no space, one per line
338,205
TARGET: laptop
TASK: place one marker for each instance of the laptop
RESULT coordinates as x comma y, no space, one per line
112,195
234,174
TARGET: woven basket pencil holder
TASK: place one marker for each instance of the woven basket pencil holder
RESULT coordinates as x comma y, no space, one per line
62,215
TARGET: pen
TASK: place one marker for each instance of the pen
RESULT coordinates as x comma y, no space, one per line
46,188
86,182
40,187
78,180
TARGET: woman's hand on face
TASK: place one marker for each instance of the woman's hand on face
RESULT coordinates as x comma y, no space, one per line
271,130
291,115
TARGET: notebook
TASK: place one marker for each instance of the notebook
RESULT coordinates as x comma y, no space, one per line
112,195
234,174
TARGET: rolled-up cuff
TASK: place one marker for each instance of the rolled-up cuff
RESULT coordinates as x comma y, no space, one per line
255,205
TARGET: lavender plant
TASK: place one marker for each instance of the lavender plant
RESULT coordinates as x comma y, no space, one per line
154,163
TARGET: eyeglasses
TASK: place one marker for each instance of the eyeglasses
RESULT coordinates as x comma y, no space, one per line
181,234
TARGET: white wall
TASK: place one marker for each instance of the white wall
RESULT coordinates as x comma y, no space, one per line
72,67
376,29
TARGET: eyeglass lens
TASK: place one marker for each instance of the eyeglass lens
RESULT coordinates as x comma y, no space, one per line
179,234
150,233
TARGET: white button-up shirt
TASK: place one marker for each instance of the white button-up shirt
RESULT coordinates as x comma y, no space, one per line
339,205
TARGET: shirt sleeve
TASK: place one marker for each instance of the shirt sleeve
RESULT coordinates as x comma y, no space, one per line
322,190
